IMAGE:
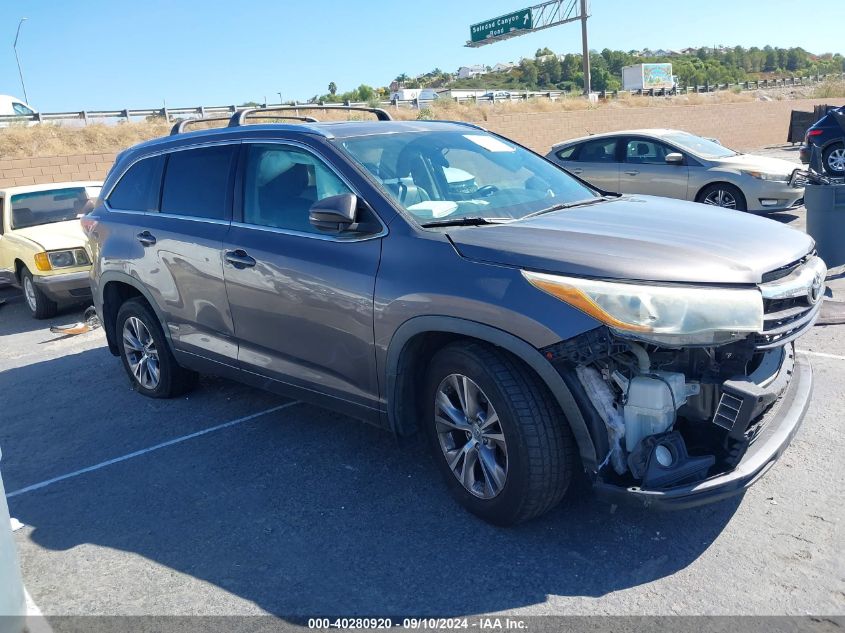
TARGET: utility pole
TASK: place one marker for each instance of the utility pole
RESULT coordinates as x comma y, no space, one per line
17,57
586,48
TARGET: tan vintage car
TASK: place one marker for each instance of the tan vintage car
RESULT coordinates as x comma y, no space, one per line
43,249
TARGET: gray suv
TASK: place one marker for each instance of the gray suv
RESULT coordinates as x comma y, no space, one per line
433,277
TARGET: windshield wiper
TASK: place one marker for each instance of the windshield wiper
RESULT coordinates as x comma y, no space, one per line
568,205
466,221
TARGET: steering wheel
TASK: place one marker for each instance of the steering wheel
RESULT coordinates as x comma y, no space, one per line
486,190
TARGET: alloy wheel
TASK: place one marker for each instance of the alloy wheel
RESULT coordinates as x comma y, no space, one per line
721,198
470,435
836,159
29,294
141,353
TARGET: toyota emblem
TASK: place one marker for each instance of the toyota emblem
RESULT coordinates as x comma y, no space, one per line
815,291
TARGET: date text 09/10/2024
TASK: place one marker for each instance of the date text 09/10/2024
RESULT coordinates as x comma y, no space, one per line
480,623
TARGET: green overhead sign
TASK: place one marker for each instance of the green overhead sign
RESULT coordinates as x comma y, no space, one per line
517,21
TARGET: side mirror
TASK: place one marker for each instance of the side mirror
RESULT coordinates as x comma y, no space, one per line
675,158
335,213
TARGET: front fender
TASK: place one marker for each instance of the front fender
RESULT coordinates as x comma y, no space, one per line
18,248
499,338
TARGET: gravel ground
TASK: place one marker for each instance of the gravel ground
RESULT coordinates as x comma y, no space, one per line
298,511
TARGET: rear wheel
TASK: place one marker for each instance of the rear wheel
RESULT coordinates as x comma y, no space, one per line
834,160
146,356
722,194
41,306
498,437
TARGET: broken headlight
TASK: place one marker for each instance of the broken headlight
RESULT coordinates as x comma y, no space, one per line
672,316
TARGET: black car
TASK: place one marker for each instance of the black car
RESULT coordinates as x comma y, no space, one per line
828,135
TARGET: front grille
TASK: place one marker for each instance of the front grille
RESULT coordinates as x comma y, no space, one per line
783,271
789,307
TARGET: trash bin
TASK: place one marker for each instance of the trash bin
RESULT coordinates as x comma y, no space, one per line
826,221
12,601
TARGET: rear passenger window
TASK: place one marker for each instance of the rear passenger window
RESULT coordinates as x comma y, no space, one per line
599,151
139,187
196,182
566,152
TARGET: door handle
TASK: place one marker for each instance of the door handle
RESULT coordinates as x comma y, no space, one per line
146,238
632,172
576,170
239,259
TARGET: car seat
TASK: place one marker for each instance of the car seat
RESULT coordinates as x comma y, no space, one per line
284,201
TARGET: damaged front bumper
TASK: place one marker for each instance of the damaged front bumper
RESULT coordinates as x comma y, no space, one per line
777,426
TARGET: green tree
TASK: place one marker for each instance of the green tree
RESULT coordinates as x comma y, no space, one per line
529,73
332,88
550,71
365,93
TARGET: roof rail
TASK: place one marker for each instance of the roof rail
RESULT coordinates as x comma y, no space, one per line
239,118
179,128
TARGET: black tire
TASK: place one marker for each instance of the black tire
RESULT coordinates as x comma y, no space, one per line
735,192
173,380
541,453
41,306
826,157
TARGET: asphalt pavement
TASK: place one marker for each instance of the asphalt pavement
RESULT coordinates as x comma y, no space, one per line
231,500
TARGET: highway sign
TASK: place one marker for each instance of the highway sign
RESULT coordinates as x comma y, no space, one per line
496,27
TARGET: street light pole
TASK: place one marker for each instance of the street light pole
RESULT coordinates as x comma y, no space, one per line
280,97
17,57
586,48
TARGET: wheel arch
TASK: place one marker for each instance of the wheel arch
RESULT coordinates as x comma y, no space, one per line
718,181
19,266
114,289
415,342
832,142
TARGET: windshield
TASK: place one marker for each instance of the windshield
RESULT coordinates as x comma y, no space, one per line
55,205
451,175
700,146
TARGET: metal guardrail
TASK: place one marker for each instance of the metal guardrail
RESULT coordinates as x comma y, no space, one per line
175,114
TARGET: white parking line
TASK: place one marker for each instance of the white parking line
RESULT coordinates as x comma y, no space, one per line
144,451
821,354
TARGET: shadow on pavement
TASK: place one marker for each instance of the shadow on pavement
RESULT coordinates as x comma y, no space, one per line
783,217
304,511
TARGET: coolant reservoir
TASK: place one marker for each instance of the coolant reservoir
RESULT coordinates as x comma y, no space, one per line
651,404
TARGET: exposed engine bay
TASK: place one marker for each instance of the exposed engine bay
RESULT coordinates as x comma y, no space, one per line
671,416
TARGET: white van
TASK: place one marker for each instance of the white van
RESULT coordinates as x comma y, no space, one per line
12,106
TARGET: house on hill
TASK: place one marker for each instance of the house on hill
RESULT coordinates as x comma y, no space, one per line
468,72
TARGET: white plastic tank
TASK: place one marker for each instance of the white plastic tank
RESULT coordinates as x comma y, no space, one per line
651,404
12,600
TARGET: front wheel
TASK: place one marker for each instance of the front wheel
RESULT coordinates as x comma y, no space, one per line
41,306
146,356
498,437
834,160
722,194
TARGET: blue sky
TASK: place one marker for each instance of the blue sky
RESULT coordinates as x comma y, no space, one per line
102,54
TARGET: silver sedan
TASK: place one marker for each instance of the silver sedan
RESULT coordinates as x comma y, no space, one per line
677,164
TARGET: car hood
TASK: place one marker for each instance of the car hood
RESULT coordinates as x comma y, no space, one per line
55,236
752,162
640,238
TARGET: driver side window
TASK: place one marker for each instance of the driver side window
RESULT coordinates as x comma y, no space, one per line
281,183
646,152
